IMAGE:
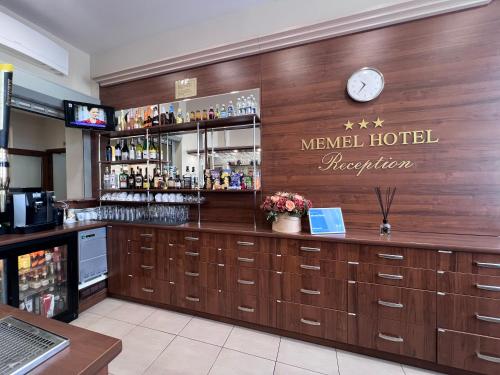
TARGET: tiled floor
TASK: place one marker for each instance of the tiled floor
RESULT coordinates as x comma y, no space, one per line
157,341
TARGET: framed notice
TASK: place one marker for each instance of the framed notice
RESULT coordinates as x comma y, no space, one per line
185,88
326,220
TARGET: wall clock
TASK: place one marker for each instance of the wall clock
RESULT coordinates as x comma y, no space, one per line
365,85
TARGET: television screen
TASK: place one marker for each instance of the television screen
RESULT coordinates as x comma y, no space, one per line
89,116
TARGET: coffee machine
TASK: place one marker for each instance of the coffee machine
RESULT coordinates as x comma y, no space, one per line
32,211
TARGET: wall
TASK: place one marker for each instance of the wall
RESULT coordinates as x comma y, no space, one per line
441,73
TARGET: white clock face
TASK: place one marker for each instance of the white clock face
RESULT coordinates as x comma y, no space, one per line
366,84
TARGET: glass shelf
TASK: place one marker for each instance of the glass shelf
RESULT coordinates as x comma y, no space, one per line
132,162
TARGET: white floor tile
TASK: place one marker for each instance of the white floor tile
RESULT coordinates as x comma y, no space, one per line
132,313
409,370
111,327
282,369
231,362
141,347
185,357
308,356
105,307
207,331
85,319
167,321
253,342
356,364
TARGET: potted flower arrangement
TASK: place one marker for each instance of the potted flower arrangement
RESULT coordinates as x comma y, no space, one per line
285,210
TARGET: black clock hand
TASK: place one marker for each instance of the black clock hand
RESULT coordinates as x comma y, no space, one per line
364,84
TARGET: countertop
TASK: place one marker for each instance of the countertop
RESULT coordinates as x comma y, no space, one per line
88,353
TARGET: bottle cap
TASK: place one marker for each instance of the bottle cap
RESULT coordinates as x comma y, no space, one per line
7,67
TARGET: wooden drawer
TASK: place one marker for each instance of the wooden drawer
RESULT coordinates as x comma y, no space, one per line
468,284
474,263
251,309
388,302
196,274
315,249
469,352
403,338
242,242
417,278
469,314
314,267
190,255
312,321
191,297
148,250
249,259
252,281
150,289
146,236
315,291
395,256
193,240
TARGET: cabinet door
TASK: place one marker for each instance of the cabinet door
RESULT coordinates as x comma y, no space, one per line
118,270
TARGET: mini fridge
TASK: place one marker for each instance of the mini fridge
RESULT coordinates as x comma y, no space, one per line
41,276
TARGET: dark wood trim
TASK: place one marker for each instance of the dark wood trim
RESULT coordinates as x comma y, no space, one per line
61,150
94,299
26,152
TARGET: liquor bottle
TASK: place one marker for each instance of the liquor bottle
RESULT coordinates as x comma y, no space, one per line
192,116
123,179
208,179
187,117
177,181
106,179
109,152
139,151
138,123
230,109
204,115
171,114
198,115
157,179
163,116
138,179
223,111
170,182
239,107
153,152
211,113
217,111
165,178
145,180
156,117
179,119
125,151
112,180
131,179
194,179
145,149
131,152
186,179
118,152
151,182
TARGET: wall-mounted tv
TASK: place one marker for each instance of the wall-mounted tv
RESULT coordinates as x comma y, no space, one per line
89,116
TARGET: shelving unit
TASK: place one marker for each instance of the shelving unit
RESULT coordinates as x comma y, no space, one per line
230,123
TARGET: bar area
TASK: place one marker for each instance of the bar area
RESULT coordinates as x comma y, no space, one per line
314,195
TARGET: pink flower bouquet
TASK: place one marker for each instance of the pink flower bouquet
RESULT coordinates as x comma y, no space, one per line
285,203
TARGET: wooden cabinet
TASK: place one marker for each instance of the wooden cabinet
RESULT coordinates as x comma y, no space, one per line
118,269
468,284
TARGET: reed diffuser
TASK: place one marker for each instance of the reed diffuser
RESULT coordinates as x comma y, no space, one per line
385,203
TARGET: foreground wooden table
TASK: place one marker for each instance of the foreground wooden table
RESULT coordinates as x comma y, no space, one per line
88,352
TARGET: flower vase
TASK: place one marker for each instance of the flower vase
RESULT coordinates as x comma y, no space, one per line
287,224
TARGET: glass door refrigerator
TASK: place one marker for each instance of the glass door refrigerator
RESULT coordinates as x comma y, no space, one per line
42,277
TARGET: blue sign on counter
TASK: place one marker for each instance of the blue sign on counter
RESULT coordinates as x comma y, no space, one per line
326,220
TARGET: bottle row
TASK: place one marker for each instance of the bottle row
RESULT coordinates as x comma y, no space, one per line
138,150
150,116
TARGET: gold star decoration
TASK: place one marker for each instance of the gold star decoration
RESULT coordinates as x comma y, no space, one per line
378,123
348,125
363,124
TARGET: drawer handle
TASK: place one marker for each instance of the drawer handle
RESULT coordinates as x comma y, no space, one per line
308,291
488,358
489,319
308,267
487,265
390,338
191,238
491,288
147,248
391,256
193,299
310,322
390,304
171,245
147,290
245,243
191,254
144,267
389,276
192,274
246,282
146,235
246,260
310,249
246,309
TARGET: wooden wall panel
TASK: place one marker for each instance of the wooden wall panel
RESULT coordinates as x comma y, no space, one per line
442,73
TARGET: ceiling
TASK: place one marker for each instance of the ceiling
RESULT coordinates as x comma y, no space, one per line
97,25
